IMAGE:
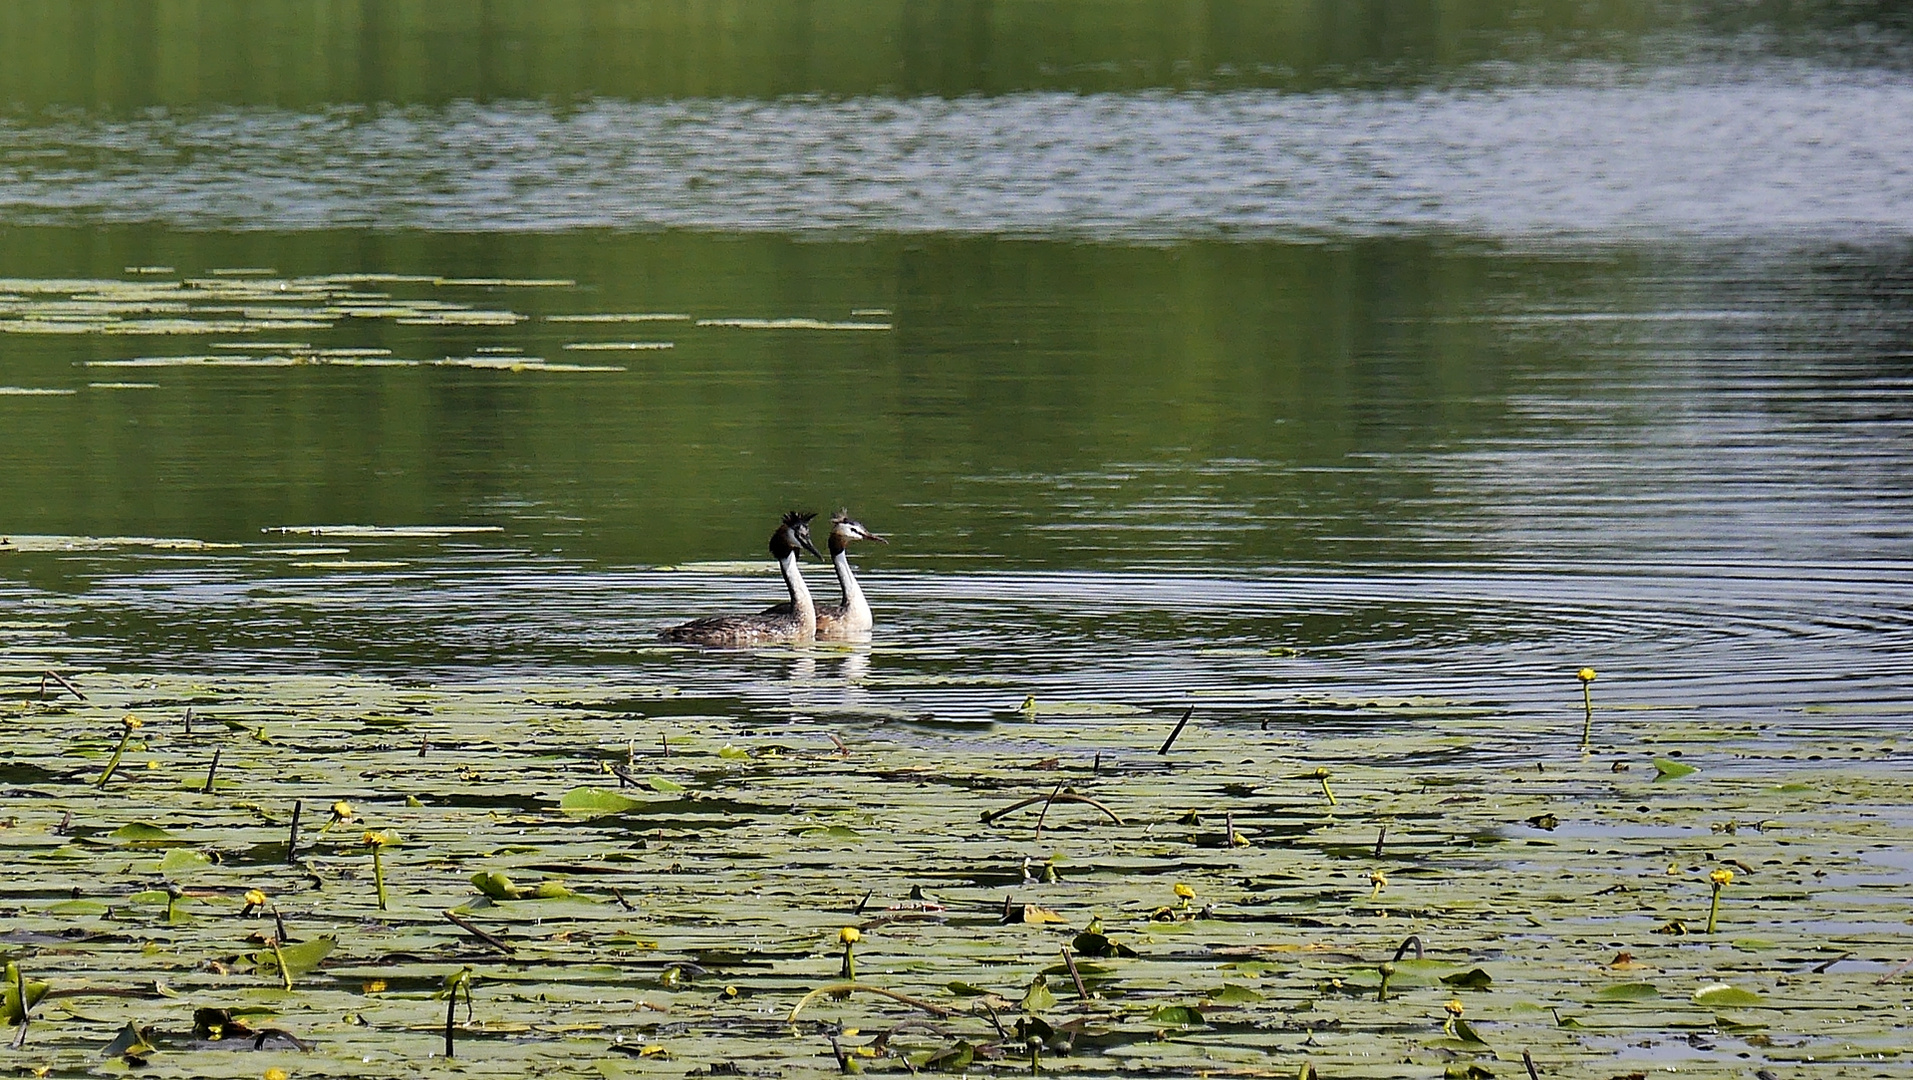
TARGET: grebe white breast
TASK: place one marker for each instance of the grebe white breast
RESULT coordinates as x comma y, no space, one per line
796,621
850,620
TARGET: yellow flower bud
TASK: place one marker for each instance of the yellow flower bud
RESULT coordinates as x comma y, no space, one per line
375,839
255,897
276,1073
1184,891
1721,877
342,810
1586,674
131,722
849,935
1454,1008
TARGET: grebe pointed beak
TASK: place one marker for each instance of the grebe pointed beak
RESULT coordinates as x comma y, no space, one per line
803,541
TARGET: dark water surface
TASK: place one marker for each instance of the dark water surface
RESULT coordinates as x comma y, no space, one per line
1400,361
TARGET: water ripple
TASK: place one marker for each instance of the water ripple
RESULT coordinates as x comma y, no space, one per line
1757,152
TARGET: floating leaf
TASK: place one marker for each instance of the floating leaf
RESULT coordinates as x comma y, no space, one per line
10,995
663,786
183,862
301,957
1465,1032
1176,1015
1725,996
951,1059
1632,991
1233,994
596,802
1669,769
131,1042
1038,997
1472,979
495,885
143,832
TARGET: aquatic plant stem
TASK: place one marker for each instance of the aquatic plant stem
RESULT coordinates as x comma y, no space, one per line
128,725
285,973
1586,675
211,771
1067,796
1720,879
378,875
1321,775
20,995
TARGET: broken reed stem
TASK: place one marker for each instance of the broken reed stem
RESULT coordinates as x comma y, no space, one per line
1412,939
1379,838
1170,741
1066,796
1075,976
292,837
840,989
451,1020
211,771
1046,805
1528,1060
378,873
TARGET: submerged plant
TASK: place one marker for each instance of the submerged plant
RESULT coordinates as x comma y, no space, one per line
1720,879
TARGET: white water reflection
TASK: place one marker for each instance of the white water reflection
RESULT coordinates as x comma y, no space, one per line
1754,152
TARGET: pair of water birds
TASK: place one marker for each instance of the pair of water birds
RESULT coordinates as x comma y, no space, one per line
801,618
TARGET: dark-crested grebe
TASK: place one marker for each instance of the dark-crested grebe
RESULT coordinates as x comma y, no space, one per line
850,620
797,621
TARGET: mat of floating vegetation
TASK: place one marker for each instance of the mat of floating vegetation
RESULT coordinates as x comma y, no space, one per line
347,876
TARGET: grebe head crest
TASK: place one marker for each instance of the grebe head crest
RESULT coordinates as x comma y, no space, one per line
793,533
844,529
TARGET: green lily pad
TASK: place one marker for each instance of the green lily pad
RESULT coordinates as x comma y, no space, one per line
1176,1015
596,802
1472,979
1633,991
1669,769
1725,996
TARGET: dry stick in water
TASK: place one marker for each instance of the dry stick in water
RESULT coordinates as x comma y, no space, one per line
1379,838
1412,939
1166,743
1528,1060
1070,963
58,678
211,771
493,940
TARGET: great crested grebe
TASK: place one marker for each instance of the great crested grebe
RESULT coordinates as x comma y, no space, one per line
796,622
850,620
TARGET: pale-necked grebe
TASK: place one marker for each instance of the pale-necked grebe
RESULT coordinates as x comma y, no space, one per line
796,622
850,620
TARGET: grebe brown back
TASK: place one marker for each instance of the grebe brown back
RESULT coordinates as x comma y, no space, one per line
796,622
850,620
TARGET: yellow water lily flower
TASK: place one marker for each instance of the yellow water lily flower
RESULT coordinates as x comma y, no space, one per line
849,935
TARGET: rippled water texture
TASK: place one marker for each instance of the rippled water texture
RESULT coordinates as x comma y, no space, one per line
1755,152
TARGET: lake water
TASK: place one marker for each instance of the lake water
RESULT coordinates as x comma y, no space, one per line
1438,373
377,379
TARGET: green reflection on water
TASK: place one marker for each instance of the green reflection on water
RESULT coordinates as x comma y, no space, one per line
1261,394
295,53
